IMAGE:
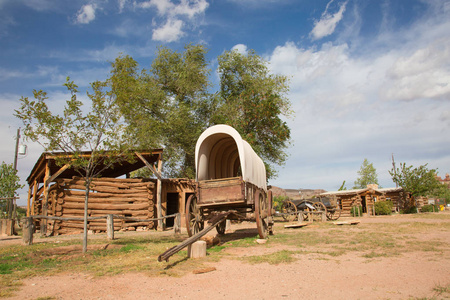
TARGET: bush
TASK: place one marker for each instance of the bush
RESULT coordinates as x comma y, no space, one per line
356,211
383,207
409,210
429,208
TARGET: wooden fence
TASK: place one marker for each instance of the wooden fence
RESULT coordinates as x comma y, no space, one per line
28,227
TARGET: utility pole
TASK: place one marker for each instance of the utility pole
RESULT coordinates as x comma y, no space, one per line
16,153
395,170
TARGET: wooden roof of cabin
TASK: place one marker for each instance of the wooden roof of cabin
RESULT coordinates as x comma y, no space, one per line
118,169
362,191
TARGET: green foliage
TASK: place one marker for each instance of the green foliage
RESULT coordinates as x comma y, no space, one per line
253,101
9,184
367,175
166,106
418,181
356,211
383,207
278,201
68,135
430,208
170,104
342,187
409,210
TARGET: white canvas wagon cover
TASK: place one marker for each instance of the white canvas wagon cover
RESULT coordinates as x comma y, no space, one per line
221,152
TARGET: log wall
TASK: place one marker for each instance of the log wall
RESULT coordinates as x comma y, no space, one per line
124,197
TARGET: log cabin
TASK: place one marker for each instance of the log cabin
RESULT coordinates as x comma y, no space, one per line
60,191
365,198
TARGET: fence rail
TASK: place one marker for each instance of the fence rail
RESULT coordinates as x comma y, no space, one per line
28,227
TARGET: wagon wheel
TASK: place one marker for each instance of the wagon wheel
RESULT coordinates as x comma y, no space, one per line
221,227
194,216
290,210
319,206
262,215
333,215
306,214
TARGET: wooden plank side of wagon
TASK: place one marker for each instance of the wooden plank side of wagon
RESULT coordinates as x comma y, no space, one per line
226,191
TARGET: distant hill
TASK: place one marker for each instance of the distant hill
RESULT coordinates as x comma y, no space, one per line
296,193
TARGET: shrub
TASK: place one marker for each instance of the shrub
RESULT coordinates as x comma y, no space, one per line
383,207
356,211
429,208
409,210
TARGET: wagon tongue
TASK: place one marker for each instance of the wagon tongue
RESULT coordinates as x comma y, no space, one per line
213,222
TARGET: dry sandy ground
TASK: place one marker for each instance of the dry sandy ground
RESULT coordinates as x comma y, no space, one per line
408,276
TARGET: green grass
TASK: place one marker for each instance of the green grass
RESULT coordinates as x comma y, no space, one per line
283,256
138,253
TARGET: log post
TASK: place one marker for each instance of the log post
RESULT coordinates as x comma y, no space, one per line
110,227
161,222
177,224
28,230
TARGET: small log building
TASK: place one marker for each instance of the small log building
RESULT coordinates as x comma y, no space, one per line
366,198
60,191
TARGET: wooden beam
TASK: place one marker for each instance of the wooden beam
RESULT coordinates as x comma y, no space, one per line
156,172
54,176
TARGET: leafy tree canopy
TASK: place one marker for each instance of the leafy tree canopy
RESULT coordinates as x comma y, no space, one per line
253,101
367,175
419,181
9,184
170,104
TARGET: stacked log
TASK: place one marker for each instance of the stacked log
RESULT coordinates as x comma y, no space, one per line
124,197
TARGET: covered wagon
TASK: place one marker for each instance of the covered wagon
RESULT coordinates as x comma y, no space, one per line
230,183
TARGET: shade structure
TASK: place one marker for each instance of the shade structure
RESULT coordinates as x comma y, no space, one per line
221,152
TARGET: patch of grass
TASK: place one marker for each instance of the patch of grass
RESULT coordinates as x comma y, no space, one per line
283,256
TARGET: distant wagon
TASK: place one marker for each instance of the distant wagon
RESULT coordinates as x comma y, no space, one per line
230,183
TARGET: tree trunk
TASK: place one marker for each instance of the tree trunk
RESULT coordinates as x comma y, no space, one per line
85,231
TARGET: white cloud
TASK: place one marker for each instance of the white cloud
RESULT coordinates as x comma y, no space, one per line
174,15
349,104
424,74
240,48
86,14
327,23
122,5
169,32
188,8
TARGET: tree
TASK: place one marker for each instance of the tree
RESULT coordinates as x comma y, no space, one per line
74,132
167,106
9,184
170,104
253,101
367,175
342,187
418,181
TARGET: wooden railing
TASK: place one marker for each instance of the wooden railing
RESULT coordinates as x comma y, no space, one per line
28,224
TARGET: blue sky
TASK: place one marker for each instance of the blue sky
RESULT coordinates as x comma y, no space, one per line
368,78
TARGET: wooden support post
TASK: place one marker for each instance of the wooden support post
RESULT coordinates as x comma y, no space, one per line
324,217
29,200
161,222
177,224
45,200
110,227
28,230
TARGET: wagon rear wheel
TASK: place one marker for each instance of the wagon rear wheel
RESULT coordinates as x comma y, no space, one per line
289,211
333,215
262,215
194,216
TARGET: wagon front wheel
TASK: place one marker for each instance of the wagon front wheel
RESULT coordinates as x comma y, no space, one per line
262,215
194,216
